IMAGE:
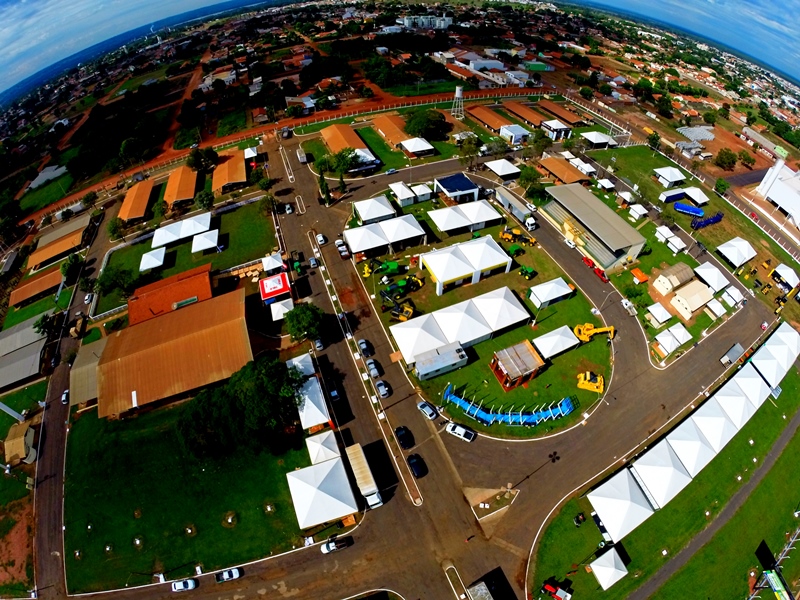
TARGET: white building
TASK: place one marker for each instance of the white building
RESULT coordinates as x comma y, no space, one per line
514,134
781,186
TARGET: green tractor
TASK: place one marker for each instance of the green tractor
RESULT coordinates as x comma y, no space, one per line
527,272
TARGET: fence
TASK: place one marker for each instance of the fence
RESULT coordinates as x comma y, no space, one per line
540,414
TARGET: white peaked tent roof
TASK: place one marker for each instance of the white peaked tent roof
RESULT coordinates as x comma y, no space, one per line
365,238
401,228
280,308
273,261
664,231
462,323
152,259
374,208
421,189
500,308
769,365
205,240
609,568
713,277
670,174
597,137
418,335
667,341
638,211
627,196
502,167
484,253
680,333
788,275
737,251
606,184
556,342
321,493
735,403
660,314
549,291
479,212
416,145
401,190
716,307
732,295
691,447
697,195
676,244
448,264
788,336
449,218
312,407
752,384
662,473
303,363
182,229
714,424
322,447
621,504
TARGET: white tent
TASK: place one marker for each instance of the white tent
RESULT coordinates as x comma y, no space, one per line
479,212
582,166
732,295
272,262
467,260
403,193
374,209
669,176
663,233
637,211
205,240
463,323
484,254
557,341
662,473
418,335
250,152
421,191
714,424
788,275
312,407
609,568
280,308
449,218
181,230
769,361
416,145
401,229
597,137
659,313
621,504
303,363
502,168
752,384
788,336
447,264
500,309
667,342
322,447
712,276
627,197
735,403
696,195
606,184
680,333
364,238
152,259
321,493
543,294
676,244
166,235
691,447
737,251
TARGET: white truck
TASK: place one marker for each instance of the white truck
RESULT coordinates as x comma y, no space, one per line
364,479
530,223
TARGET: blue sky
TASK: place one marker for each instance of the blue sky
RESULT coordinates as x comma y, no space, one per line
36,33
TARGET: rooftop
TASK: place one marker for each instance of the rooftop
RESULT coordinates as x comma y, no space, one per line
524,112
456,183
519,360
169,294
562,170
231,169
391,128
33,286
56,248
488,117
134,206
180,185
559,111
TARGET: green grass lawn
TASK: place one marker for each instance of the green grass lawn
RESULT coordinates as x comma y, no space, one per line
444,150
186,137
563,545
45,195
92,335
245,233
315,127
660,255
134,82
152,489
391,159
315,148
232,122
579,130
15,315
484,135
440,87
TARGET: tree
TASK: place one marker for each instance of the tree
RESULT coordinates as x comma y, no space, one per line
46,220
747,159
202,159
497,148
267,204
721,186
294,111
342,184
468,152
131,149
751,118
71,267
44,324
160,208
89,199
86,284
427,123
304,321
586,93
115,228
344,160
710,117
204,200
605,89
528,152
664,106
115,278
725,159
529,176
695,166
654,140
218,86
568,144
265,184
66,214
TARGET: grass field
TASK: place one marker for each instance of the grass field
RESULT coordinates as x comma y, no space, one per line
186,137
92,335
563,545
244,233
315,148
45,195
153,490
134,82
579,130
14,316
391,159
424,88
232,122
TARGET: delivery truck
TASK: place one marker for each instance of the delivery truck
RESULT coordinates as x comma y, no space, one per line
364,479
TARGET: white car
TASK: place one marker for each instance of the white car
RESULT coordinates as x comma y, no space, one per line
461,432
321,240
340,244
88,298
569,243
184,585
289,209
383,388
228,575
65,397
333,546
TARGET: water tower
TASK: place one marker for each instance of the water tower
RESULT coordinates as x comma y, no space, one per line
458,104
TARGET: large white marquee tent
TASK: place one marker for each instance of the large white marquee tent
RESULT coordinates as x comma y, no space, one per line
777,355
714,424
737,251
712,276
735,403
175,232
608,569
691,447
463,323
752,384
543,294
321,493
384,233
662,473
467,260
621,504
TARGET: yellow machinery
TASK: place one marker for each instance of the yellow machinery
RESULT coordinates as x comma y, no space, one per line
510,235
403,312
585,332
591,382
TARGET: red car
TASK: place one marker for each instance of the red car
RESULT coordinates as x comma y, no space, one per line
601,274
588,262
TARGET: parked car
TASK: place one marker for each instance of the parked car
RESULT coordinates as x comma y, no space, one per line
569,243
461,432
321,239
417,465
601,274
366,348
228,575
391,171
383,388
344,253
333,545
340,244
65,397
313,263
184,585
530,207
318,345
588,262
373,368
427,409
404,437
288,209
88,298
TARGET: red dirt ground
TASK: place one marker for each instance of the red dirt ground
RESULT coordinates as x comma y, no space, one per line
16,549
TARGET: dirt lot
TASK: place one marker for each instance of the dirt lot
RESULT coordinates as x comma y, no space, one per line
725,139
16,552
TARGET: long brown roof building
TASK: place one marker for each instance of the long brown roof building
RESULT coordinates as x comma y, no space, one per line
230,172
34,286
567,116
391,128
338,137
562,170
180,185
488,117
527,114
61,246
176,353
170,294
135,204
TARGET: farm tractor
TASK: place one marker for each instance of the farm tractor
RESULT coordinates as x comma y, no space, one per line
386,268
400,312
510,235
527,272
403,287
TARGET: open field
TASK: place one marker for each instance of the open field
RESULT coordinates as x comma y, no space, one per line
15,315
244,233
133,503
232,122
564,546
46,194
315,148
391,159
134,82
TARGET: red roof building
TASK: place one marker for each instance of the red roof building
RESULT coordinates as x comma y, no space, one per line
170,294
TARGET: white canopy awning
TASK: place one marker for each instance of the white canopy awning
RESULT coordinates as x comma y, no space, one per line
606,184
449,218
715,306
205,240
788,275
479,212
691,447
712,276
549,291
416,145
597,137
669,174
321,493
181,229
447,264
697,195
676,244
714,424
500,308
737,251
557,341
462,323
735,403
659,313
322,447
752,384
280,308
609,568
638,211
732,295
621,504
680,333
401,191
663,233
502,168
360,239
272,262
662,473
418,335
152,259
627,196
312,407
303,363
374,208
401,229
667,342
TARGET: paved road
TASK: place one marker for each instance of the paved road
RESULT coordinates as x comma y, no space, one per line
747,178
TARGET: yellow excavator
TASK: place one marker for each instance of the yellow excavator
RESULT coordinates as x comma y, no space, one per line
585,332
591,381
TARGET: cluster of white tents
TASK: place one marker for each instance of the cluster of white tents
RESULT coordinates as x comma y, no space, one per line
673,338
666,235
196,227
628,498
385,233
467,323
312,408
470,215
465,261
737,251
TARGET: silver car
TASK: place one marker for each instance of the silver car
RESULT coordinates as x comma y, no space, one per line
427,409
383,388
373,368
184,585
